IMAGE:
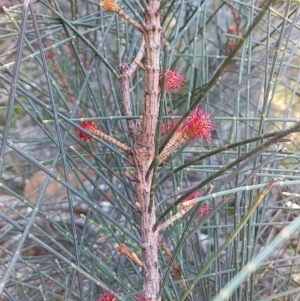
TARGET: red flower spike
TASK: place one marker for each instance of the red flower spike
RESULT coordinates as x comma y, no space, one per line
204,209
199,125
174,81
193,195
108,296
88,125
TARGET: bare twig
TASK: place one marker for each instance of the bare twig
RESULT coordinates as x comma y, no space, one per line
113,7
122,14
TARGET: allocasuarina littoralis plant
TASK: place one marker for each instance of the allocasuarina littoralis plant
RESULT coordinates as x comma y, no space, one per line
197,125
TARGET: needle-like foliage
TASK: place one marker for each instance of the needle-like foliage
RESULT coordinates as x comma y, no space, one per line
149,150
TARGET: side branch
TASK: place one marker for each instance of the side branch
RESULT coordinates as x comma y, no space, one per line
113,7
138,26
98,133
122,249
126,72
92,128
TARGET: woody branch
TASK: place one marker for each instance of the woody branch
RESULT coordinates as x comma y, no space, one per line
126,72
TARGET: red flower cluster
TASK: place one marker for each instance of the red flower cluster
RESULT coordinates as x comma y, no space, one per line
193,195
108,296
89,126
174,81
204,209
198,125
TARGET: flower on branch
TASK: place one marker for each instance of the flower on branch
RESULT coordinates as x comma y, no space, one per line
174,81
109,5
89,126
204,209
94,129
192,196
198,125
108,296
184,208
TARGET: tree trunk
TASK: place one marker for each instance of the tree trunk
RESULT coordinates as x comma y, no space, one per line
144,150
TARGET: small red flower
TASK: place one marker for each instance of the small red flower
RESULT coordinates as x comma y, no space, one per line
231,30
193,195
108,296
198,125
204,209
89,126
174,81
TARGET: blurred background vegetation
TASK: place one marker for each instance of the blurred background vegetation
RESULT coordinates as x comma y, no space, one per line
66,205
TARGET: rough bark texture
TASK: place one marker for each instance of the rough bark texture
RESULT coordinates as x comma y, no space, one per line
144,151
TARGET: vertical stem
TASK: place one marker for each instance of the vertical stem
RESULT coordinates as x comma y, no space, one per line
144,150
